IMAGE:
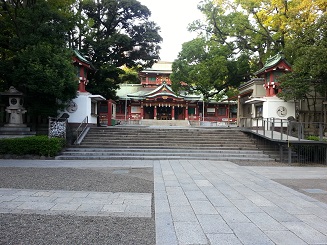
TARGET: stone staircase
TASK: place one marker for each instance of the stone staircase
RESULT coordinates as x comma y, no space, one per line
155,143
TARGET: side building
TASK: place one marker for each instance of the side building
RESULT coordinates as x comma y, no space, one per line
258,98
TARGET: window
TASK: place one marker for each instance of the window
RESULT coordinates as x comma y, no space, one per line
93,108
222,111
136,109
152,79
210,110
258,111
191,110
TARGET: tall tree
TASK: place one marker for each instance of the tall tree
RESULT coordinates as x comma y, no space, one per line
207,68
118,33
308,81
33,55
261,28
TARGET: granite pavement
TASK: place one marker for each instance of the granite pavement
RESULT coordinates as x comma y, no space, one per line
160,202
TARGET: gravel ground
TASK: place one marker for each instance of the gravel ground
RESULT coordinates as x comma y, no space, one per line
301,184
46,229
72,179
62,229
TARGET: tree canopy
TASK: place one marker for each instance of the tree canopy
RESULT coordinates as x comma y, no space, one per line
37,39
308,80
246,33
208,68
33,57
115,33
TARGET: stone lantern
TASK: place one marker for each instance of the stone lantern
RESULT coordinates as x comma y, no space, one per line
15,127
15,108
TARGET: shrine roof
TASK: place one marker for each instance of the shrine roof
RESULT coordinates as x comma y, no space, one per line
251,82
271,62
161,67
137,91
82,59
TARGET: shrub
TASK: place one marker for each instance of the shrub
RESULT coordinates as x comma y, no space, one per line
34,145
313,137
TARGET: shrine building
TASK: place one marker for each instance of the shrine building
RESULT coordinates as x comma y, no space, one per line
258,98
154,99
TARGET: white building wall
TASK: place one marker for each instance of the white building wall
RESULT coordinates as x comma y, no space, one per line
273,103
83,107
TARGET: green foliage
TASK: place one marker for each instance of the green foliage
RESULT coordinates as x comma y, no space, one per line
34,145
115,33
33,57
130,75
313,137
308,79
208,68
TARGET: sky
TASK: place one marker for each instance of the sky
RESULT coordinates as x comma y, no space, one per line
173,17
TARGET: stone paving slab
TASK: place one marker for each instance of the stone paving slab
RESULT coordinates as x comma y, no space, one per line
196,202
212,202
79,203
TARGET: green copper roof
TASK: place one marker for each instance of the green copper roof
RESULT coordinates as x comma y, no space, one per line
81,58
272,61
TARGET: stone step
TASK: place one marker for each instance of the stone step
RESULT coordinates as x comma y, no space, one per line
166,150
114,143
160,157
166,144
160,154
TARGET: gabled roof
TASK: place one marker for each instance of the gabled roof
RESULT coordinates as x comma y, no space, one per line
82,59
271,62
161,67
138,92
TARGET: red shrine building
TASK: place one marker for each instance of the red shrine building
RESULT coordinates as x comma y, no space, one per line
258,97
154,99
85,106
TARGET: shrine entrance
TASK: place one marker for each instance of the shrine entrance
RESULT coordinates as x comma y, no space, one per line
164,113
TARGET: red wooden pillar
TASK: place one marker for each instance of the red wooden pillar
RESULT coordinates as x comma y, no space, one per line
155,113
173,113
142,110
186,112
109,114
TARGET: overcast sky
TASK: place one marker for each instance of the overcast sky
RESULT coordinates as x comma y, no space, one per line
173,16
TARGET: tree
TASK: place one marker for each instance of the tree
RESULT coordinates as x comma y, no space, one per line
117,33
130,75
308,81
208,68
33,55
259,28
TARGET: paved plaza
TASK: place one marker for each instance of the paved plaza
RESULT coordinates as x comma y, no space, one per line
195,202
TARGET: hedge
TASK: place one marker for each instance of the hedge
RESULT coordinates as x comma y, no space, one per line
34,145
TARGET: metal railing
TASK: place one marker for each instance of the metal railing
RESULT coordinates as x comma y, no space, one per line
283,129
81,129
288,141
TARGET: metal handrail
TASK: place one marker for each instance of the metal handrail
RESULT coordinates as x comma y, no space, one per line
283,127
80,129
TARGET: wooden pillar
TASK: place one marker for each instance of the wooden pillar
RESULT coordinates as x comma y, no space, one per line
155,113
142,111
81,86
173,113
186,112
109,114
